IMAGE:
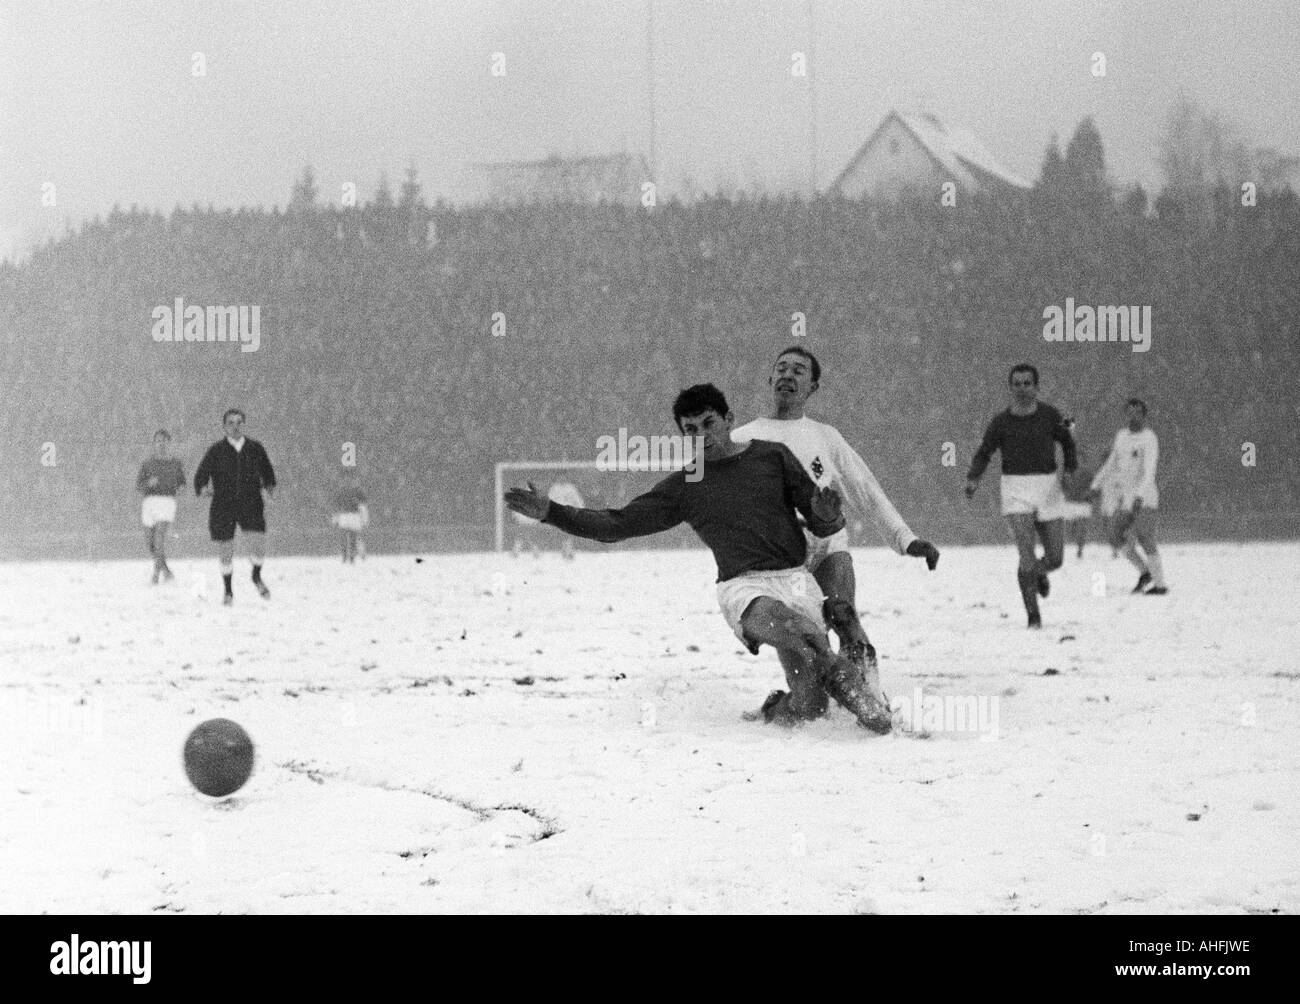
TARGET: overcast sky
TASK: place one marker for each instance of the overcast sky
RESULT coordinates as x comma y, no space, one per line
100,100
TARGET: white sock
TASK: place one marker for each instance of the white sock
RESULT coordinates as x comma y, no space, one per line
1157,571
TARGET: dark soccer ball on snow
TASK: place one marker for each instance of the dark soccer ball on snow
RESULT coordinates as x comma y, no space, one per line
218,757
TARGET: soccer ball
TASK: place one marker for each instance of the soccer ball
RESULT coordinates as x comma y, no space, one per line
218,757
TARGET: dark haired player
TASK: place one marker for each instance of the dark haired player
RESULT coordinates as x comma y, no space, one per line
160,478
239,470
831,462
743,508
1027,434
1132,463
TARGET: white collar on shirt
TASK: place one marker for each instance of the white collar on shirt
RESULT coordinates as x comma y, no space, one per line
238,444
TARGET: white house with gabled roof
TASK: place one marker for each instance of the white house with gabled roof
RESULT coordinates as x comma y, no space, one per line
916,154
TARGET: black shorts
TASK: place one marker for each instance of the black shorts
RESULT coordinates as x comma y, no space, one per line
222,524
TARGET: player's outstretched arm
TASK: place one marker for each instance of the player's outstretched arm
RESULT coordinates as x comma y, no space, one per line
528,502
657,510
865,493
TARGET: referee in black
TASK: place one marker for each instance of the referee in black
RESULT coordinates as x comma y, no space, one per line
239,470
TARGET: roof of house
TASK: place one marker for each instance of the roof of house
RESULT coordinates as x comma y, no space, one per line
958,151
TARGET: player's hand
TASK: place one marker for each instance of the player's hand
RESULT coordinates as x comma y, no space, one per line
153,481
528,502
827,505
924,549
971,485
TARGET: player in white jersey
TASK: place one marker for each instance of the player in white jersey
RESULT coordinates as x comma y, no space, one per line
832,463
1132,463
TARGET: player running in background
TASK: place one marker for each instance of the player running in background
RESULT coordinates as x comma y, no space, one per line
239,470
161,476
1027,434
351,515
831,462
1132,462
743,507
1077,508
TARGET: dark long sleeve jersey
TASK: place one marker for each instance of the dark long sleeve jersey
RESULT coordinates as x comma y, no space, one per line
1028,443
237,475
742,507
166,474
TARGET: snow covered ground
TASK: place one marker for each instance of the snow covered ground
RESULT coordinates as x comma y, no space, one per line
478,733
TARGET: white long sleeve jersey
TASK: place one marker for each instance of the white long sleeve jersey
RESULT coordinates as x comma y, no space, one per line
1132,462
831,462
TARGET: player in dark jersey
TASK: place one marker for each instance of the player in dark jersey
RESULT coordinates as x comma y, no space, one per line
743,508
1027,434
160,478
239,470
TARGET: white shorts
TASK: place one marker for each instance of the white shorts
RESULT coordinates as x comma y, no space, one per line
820,548
795,587
349,521
1039,494
158,509
1076,510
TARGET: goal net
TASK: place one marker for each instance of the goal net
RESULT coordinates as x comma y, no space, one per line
590,485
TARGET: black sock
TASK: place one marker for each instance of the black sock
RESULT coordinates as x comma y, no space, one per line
257,573
1028,581
226,577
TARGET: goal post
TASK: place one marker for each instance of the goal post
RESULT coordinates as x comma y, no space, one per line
554,467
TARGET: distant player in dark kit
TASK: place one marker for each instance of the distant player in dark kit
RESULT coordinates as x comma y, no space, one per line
1027,434
744,508
161,477
830,461
1132,464
239,470
351,515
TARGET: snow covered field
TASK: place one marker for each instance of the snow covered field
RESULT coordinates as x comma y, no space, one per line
478,733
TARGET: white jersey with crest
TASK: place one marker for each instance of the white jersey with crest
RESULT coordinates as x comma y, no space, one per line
831,462
1132,463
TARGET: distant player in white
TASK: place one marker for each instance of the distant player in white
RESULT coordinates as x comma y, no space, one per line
1132,462
565,494
832,463
351,516
160,478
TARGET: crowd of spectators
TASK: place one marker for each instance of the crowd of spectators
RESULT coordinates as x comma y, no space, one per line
441,340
